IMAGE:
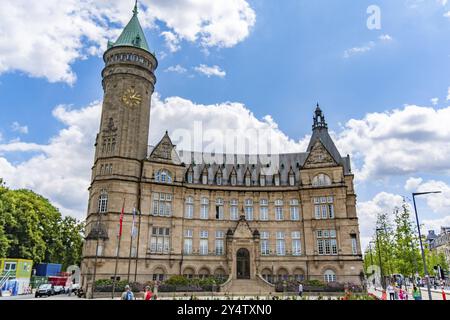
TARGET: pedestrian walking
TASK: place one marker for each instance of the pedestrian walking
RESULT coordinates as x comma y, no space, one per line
417,295
127,294
148,293
401,295
384,295
300,289
391,291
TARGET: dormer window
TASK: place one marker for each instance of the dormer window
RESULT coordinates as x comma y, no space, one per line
262,180
292,180
248,181
163,176
190,177
219,180
277,179
204,179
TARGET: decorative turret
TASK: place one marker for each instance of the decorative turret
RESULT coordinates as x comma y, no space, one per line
319,119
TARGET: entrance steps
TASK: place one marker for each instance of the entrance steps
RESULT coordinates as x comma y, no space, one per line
257,286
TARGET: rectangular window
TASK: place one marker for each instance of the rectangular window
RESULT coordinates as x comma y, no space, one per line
219,212
295,216
204,211
279,213
296,243
204,247
281,245
189,211
263,213
325,210
326,242
265,249
219,247
162,204
249,213
188,241
203,242
234,212
160,240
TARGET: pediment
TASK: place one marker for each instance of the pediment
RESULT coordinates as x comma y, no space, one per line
319,157
243,230
165,151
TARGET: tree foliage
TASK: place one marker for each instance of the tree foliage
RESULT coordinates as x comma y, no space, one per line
396,245
32,228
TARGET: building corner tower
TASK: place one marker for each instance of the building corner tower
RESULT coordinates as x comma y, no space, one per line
121,146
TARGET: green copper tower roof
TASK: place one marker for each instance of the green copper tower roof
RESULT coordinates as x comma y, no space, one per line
132,35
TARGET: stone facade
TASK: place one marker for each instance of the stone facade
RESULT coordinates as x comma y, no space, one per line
234,219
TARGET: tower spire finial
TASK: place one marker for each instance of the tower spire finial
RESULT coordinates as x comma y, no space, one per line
135,10
319,119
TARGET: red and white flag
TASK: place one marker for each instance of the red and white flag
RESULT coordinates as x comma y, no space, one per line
121,219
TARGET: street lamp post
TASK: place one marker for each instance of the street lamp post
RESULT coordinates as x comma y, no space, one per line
383,280
427,276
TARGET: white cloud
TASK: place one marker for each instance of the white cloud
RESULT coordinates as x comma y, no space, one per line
210,71
176,69
412,184
434,101
384,38
358,50
16,127
44,38
60,170
398,142
172,41
448,94
447,14
367,212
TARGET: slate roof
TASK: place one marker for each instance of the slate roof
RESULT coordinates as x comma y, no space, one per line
132,35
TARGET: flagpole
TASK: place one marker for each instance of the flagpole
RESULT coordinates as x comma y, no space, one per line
137,245
131,244
118,250
139,212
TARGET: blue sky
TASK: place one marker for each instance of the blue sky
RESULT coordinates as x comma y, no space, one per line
292,57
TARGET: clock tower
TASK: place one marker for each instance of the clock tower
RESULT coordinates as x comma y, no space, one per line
121,145
128,84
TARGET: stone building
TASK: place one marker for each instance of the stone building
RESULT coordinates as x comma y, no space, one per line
236,217
441,243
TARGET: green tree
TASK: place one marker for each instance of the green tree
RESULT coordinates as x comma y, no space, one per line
32,228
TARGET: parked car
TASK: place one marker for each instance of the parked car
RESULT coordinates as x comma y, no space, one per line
45,290
59,289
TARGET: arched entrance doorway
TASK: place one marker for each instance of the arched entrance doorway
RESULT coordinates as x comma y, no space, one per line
243,264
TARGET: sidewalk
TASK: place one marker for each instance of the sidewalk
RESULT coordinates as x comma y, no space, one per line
436,294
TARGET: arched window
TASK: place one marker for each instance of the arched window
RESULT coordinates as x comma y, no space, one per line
321,180
103,202
163,176
329,276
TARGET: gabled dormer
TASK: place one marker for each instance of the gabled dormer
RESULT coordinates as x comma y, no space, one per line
233,177
248,178
291,177
165,151
190,174
204,176
219,177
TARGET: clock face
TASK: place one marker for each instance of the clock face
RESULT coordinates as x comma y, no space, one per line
131,98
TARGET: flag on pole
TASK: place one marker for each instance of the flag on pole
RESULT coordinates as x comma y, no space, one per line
133,227
121,219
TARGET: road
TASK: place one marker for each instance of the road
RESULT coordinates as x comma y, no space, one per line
32,297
